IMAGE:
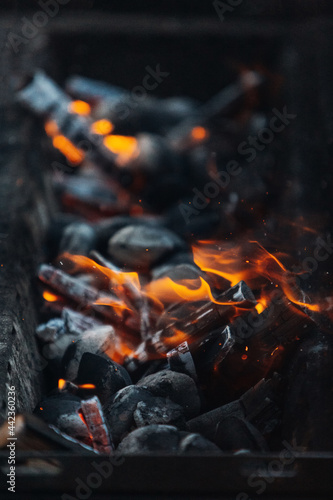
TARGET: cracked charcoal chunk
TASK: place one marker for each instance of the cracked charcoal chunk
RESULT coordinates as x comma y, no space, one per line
78,239
194,443
143,246
162,411
178,387
105,374
119,411
62,410
52,407
234,433
95,341
150,439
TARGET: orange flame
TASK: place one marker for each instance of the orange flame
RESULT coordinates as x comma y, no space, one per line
258,269
86,386
167,290
251,262
82,263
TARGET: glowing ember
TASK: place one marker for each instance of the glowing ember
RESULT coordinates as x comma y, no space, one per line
102,127
50,297
199,133
79,108
125,147
74,155
51,128
61,383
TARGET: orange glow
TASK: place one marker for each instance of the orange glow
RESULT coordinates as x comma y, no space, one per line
82,263
50,297
85,423
120,351
87,386
167,290
117,306
79,108
67,148
260,269
61,383
263,303
102,127
51,128
199,133
264,272
125,147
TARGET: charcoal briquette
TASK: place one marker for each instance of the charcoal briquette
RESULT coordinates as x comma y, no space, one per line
78,239
119,411
107,228
96,341
161,411
178,387
195,444
142,246
150,439
107,376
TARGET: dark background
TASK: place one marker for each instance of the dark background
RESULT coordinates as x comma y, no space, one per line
268,8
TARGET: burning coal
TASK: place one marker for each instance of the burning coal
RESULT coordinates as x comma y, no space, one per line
167,336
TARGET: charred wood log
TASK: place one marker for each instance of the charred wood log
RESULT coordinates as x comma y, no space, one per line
260,405
74,289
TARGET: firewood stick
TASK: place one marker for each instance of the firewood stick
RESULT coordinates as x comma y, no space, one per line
79,292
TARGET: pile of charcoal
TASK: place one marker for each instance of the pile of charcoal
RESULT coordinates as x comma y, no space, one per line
150,346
